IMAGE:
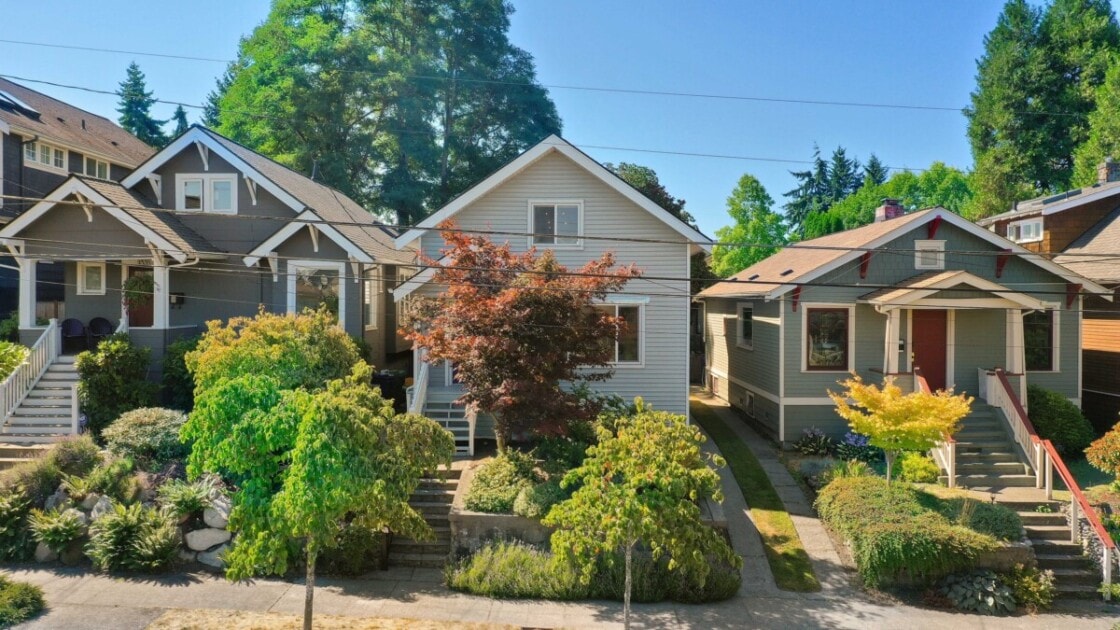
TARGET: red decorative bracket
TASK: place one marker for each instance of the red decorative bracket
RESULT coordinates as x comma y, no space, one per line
864,263
1001,262
933,225
1072,291
796,297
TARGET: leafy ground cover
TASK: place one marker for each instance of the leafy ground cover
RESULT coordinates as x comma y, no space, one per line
787,557
19,602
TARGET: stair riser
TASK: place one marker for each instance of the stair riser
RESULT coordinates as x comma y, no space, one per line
1065,562
1041,519
988,481
1087,578
442,548
1054,535
1057,548
1007,468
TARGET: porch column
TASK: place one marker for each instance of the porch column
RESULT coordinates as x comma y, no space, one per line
893,333
161,295
1016,344
28,268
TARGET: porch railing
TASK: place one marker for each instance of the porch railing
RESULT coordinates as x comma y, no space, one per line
21,381
944,452
1045,461
417,393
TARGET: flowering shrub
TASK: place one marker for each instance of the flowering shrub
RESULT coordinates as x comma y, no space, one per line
814,442
857,446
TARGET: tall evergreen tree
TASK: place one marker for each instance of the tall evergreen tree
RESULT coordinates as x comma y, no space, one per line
135,109
180,120
1104,130
843,175
812,194
874,172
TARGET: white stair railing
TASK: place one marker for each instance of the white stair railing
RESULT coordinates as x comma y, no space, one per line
417,393
999,394
21,381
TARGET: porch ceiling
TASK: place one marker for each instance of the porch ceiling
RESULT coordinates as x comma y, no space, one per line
933,290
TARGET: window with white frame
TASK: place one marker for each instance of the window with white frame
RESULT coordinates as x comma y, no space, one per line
1040,341
1025,231
96,168
745,327
827,334
91,278
44,155
929,254
313,284
556,223
206,193
628,346
372,290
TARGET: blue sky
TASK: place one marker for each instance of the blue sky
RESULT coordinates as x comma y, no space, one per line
906,53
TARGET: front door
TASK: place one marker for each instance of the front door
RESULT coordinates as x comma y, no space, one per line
141,314
930,344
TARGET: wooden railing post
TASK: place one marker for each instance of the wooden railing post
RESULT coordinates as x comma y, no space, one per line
1048,467
1074,523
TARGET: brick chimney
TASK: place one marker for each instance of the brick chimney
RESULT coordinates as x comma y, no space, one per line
890,209
1108,171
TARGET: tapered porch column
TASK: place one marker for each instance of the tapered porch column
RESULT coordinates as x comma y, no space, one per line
28,267
893,335
1016,342
161,295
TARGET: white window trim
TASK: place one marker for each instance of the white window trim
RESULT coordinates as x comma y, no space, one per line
96,162
640,303
556,202
318,265
207,196
742,308
371,289
82,288
804,308
924,246
1055,309
50,168
1020,224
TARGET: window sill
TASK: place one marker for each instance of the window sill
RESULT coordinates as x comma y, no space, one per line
744,347
49,169
626,366
83,293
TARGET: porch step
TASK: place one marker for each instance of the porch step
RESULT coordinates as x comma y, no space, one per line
990,481
1060,561
989,457
1048,532
1056,547
1040,519
991,468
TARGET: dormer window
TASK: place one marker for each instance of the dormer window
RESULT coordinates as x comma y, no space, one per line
206,193
1026,231
44,155
929,254
96,168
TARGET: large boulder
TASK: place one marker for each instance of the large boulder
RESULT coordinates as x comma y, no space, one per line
203,539
217,515
90,501
101,508
59,498
213,558
43,553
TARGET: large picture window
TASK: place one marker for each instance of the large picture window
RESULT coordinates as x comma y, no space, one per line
556,223
827,337
1038,338
312,284
628,343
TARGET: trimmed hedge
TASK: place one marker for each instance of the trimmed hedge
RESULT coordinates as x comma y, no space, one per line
149,436
114,379
895,538
1058,420
497,483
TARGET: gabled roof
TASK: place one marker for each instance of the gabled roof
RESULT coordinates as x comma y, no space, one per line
1053,204
159,227
805,261
1093,254
924,285
548,146
68,125
297,191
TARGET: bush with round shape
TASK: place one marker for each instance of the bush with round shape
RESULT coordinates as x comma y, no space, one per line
1033,589
184,498
916,467
19,601
11,356
1057,419
149,436
133,538
536,501
857,446
358,551
36,479
113,380
498,482
813,441
1104,454
76,455
115,479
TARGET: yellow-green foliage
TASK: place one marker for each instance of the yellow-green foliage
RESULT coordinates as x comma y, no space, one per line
900,422
11,356
1104,453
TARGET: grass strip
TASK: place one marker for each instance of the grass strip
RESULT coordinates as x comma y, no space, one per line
787,557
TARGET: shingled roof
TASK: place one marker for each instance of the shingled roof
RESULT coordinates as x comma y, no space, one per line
1093,254
146,212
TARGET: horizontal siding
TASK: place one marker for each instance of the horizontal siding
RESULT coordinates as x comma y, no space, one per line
756,366
823,417
979,343
1100,334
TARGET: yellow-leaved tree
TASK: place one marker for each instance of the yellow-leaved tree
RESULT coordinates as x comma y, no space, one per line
898,422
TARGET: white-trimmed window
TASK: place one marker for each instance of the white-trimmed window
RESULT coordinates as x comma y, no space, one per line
629,345
828,335
929,254
315,283
96,168
744,327
1025,231
1040,340
371,289
556,223
91,278
43,155
206,193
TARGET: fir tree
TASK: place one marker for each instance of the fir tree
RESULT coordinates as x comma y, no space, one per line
180,120
874,172
135,109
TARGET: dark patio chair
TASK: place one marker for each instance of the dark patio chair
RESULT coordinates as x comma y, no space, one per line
99,328
73,329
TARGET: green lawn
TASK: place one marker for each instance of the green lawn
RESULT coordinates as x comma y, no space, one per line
1095,484
788,561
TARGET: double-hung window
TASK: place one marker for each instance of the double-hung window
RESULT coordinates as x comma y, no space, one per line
44,155
207,193
96,168
1040,340
556,223
91,278
627,343
372,295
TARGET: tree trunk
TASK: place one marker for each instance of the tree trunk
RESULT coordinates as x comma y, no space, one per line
626,589
309,589
889,456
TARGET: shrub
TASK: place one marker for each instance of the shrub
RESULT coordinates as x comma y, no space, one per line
813,441
536,501
1058,420
58,528
75,455
11,356
16,543
113,380
849,468
114,479
998,521
133,538
36,479
178,384
358,551
857,446
1104,454
497,483
9,327
979,591
19,601
184,498
1033,589
560,454
916,467
149,436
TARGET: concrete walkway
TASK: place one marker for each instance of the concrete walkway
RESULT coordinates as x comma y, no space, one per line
80,599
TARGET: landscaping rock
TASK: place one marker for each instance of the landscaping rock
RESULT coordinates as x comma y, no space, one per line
213,558
60,497
186,555
72,554
203,539
43,553
217,515
90,501
101,508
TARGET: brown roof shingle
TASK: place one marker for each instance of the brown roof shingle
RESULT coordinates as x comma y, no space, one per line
147,213
1093,254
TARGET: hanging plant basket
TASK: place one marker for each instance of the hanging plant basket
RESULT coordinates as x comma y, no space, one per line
137,290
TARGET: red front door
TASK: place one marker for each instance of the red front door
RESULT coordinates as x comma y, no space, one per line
929,345
140,315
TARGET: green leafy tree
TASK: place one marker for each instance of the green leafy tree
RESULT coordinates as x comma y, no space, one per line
135,109
641,486
1104,130
519,329
756,232
897,422
400,104
646,181
180,120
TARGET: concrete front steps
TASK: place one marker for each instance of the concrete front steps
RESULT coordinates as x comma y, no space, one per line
44,416
986,455
440,406
432,500
1075,575
12,455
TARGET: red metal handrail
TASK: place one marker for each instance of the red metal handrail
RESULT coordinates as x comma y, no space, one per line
1022,413
1075,490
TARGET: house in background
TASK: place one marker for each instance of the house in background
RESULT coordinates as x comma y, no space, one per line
558,197
42,142
926,291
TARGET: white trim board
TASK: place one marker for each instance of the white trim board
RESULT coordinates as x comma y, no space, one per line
306,219
331,265
751,388
552,144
